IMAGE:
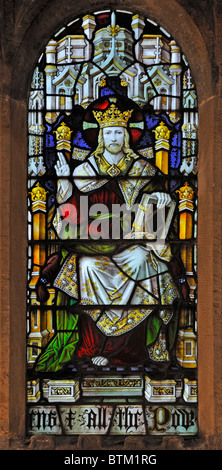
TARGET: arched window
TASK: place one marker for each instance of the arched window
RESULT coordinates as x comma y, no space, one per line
112,211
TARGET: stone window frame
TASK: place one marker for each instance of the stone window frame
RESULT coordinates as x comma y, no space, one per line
32,34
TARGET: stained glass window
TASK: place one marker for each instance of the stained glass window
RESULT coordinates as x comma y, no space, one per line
112,230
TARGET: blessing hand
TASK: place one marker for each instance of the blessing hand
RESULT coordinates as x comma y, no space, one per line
62,167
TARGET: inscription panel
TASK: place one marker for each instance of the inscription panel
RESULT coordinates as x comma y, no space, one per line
102,419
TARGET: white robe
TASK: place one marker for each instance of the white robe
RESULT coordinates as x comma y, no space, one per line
136,276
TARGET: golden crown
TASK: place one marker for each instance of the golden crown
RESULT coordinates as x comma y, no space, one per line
112,117
63,132
38,193
162,132
186,192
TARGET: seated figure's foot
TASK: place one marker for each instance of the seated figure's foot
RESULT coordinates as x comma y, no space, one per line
100,361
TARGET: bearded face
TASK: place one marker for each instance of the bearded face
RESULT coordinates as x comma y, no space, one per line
114,139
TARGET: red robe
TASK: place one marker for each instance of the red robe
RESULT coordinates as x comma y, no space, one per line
129,347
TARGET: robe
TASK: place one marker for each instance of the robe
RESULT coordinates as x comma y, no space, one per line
123,285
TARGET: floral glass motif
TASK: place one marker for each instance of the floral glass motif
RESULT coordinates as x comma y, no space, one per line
112,227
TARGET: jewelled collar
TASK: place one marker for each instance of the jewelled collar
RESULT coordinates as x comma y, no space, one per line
115,169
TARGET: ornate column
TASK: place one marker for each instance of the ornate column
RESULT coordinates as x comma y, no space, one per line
175,70
89,25
186,343
50,73
38,199
40,321
138,24
162,146
186,208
